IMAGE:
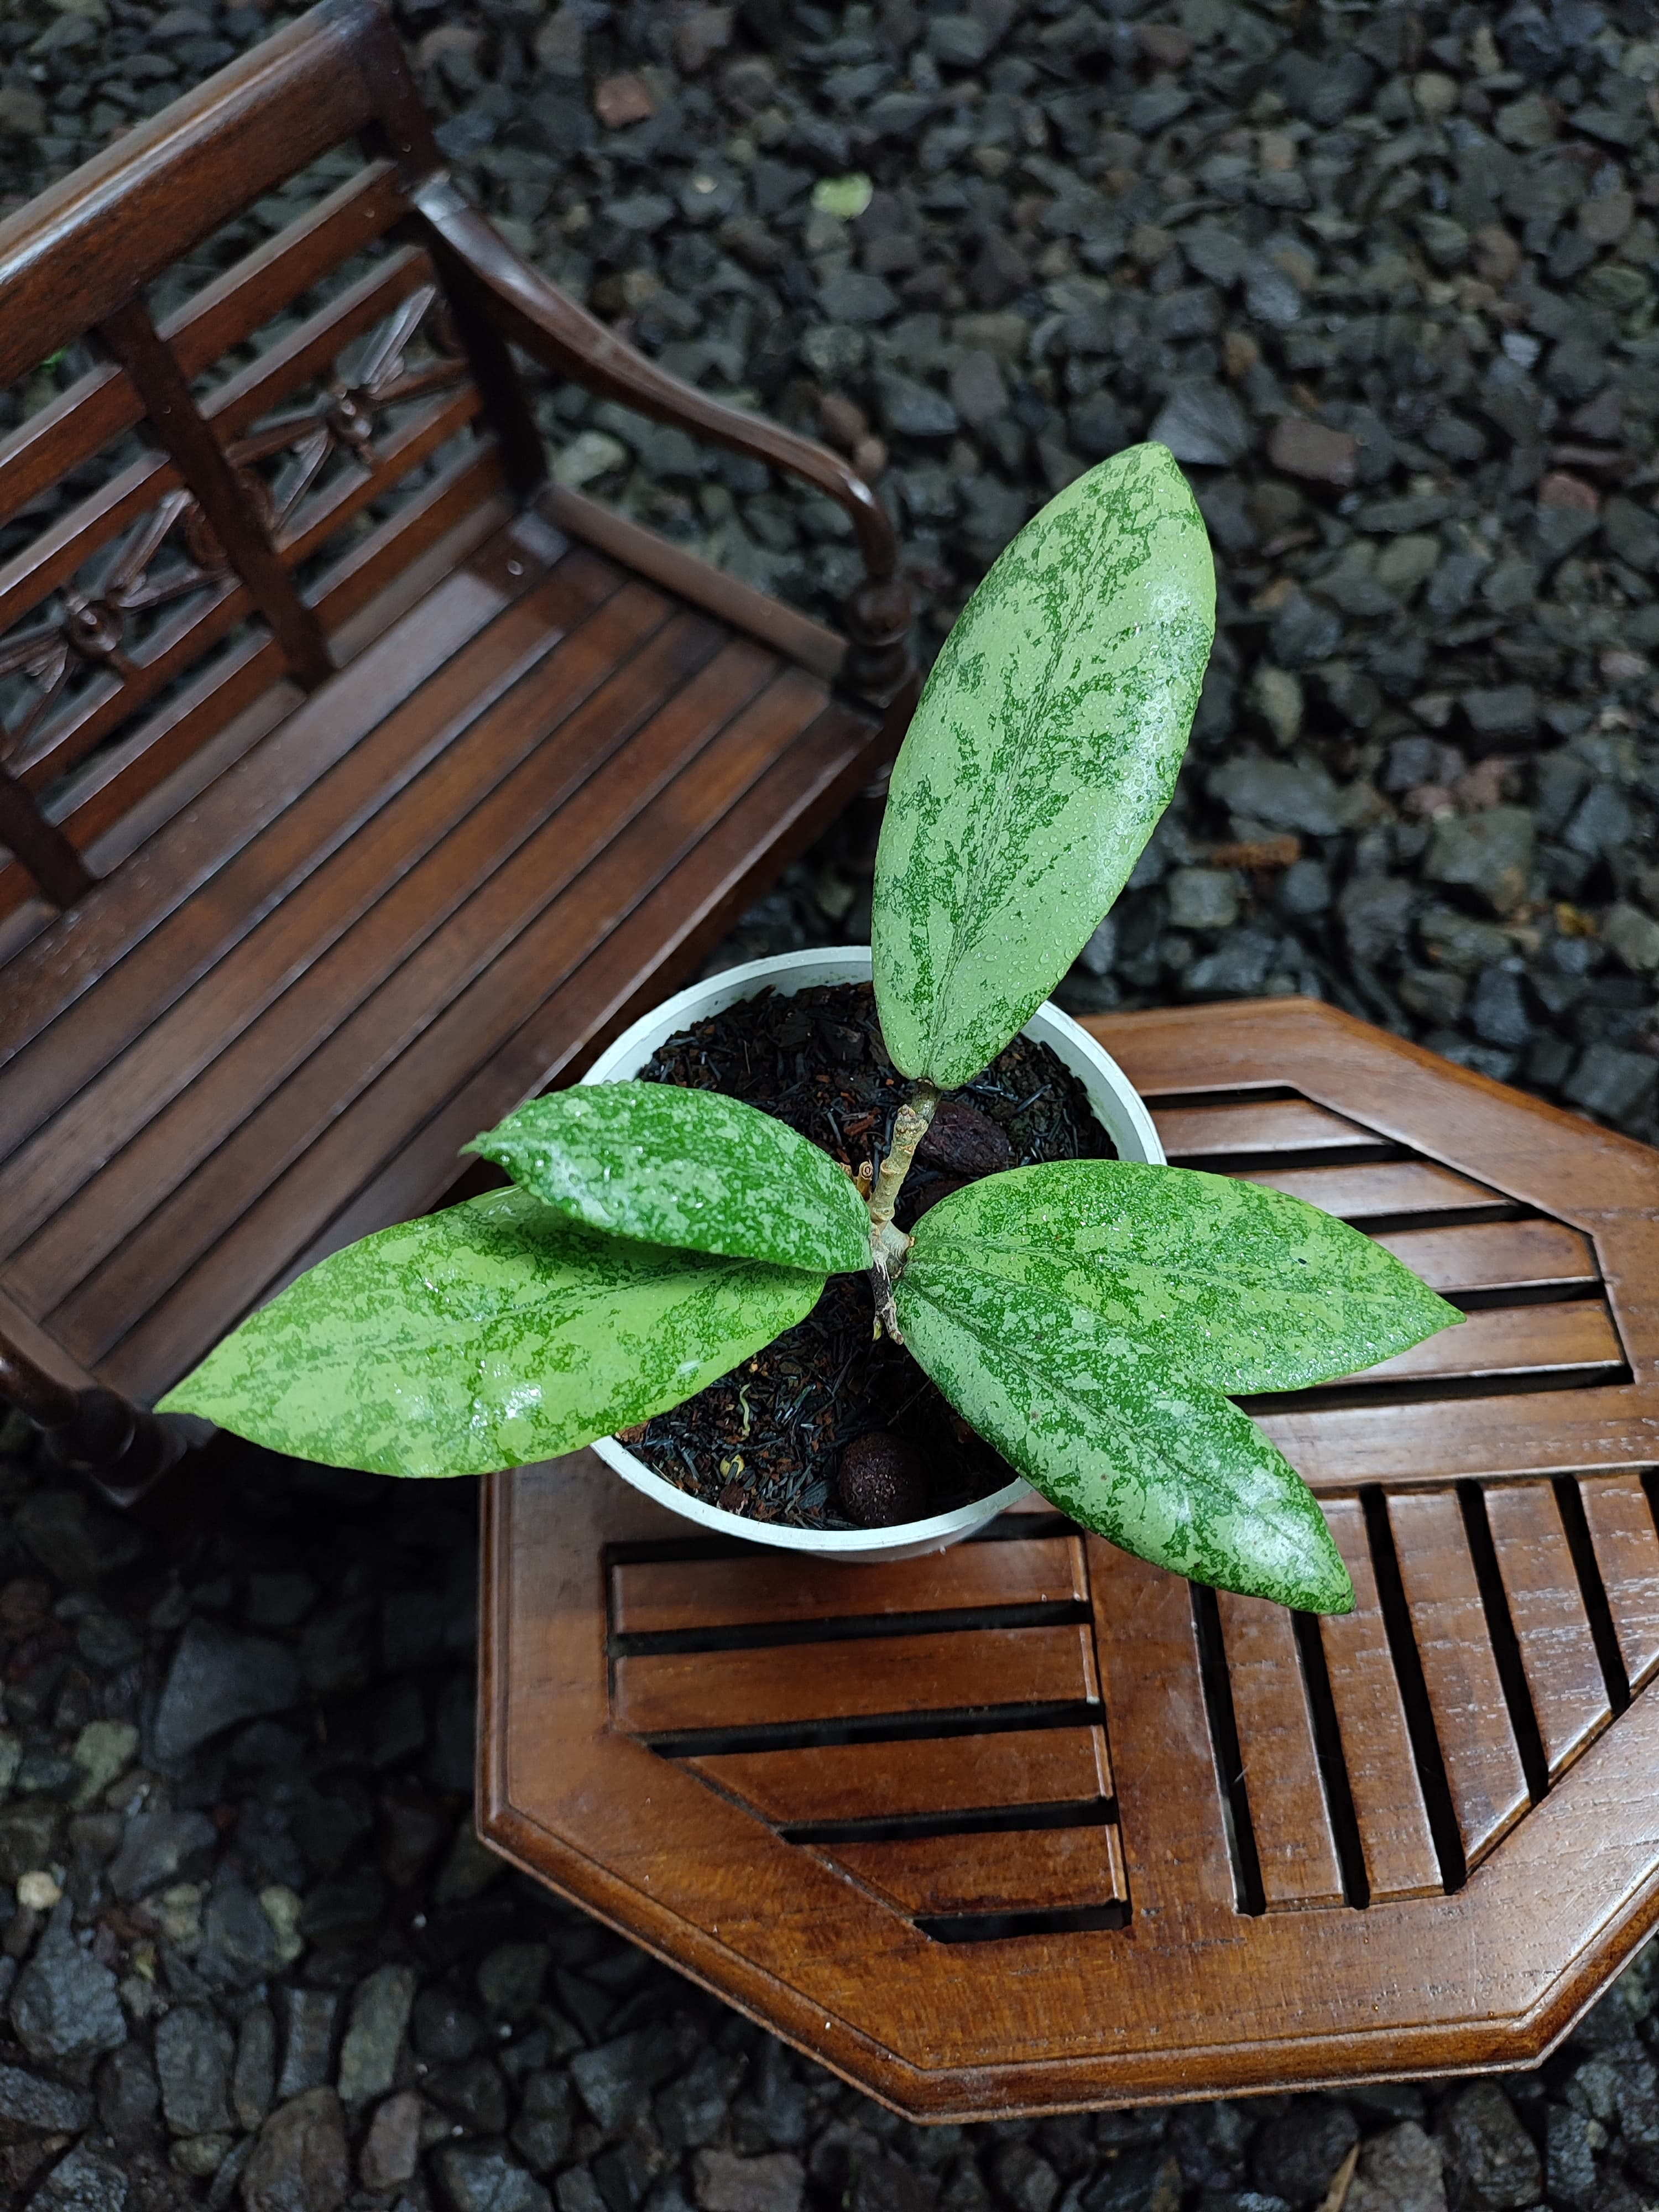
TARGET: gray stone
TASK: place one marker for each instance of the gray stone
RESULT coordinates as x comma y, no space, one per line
1603,819
576,2191
1489,854
472,2181
1632,935
1281,794
1145,2177
1399,2171
217,1678
1201,898
446,2030
41,2107
239,1943
129,2097
155,1847
542,2133
1457,941
1295,2156
1435,994
1305,888
306,2018
475,2093
87,2180
1304,448
193,2056
913,410
1099,955
725,2183
1202,423
1570,2173
298,2162
254,2083
1510,711
978,389
1612,1082
76,1539
1498,1009
65,2003
1487,2147
509,1978
1237,967
1024,2179
379,2016
610,2081
852,296
1375,910
391,2148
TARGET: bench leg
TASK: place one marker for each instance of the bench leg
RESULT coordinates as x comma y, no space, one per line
118,1447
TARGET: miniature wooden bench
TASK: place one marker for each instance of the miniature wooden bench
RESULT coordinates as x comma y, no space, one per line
1028,1826
356,782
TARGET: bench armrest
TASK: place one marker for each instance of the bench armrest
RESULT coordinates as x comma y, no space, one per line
535,315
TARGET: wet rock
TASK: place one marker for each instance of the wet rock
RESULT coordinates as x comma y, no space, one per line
1284,795
128,2096
306,2019
156,1848
1295,2157
43,2107
1202,423
1488,854
1611,1082
298,2162
1304,448
392,2148
379,2016
217,1678
1202,898
1486,2147
194,2052
254,2081
543,2132
65,2003
1570,2173
76,1540
725,2183
487,2180
87,2180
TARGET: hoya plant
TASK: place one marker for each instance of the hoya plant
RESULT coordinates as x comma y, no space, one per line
1093,1319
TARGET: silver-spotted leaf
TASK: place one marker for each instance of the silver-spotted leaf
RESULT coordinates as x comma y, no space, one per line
689,1168
1242,1287
1043,753
491,1334
1163,1465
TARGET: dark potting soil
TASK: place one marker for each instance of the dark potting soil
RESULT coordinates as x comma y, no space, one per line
768,1440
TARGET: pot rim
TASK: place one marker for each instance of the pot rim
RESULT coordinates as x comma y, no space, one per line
1112,1097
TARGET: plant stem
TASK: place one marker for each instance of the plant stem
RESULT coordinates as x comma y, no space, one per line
909,1127
889,1245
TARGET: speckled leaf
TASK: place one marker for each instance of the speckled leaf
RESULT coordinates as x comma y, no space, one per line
489,1335
1161,1464
1043,751
689,1168
1238,1286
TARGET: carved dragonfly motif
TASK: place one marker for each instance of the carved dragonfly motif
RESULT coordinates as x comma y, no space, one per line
88,629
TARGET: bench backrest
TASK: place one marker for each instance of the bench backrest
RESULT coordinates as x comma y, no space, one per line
188,522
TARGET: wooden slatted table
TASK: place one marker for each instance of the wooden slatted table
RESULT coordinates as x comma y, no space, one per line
1029,1826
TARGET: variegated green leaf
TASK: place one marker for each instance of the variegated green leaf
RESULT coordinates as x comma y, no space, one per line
687,1168
1163,1465
489,1335
1044,751
1241,1287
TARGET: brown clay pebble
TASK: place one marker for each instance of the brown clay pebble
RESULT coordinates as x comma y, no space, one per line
965,1142
878,1484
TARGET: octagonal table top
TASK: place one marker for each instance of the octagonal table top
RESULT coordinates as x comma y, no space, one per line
1029,1826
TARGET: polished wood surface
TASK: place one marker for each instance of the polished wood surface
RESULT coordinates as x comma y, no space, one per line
1029,1826
359,781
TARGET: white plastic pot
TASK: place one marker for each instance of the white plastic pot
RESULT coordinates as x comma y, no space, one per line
1116,1106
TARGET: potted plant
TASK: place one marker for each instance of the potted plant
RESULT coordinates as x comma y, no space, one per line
1089,1319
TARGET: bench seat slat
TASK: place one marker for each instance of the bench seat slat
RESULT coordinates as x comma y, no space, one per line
827,1782
1031,1870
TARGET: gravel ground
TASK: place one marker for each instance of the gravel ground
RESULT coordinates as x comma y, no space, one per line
1384,281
